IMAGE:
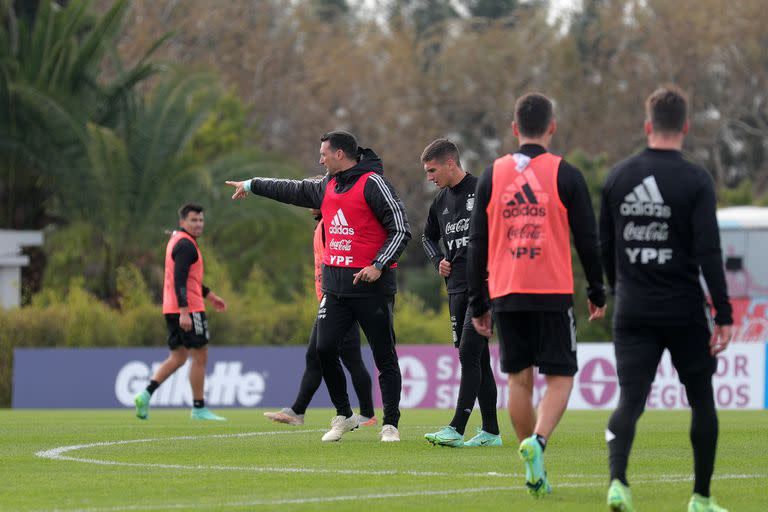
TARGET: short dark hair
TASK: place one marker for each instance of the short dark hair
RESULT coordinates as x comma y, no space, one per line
533,113
667,109
342,140
189,207
441,150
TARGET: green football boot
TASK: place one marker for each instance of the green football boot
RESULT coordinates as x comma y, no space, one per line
619,497
483,438
142,404
446,436
203,413
699,503
535,476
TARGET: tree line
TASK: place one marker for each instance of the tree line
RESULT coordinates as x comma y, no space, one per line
112,113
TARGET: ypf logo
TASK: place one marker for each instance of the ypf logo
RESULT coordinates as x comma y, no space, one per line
414,381
597,382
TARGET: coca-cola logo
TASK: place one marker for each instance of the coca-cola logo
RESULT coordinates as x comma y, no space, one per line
457,227
340,245
652,232
598,382
527,232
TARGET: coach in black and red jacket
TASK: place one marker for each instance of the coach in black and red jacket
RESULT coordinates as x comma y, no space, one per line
366,230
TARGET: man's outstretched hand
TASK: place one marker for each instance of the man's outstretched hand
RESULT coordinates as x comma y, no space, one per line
240,191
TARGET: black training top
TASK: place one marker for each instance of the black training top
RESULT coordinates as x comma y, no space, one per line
574,195
448,219
384,203
184,254
658,227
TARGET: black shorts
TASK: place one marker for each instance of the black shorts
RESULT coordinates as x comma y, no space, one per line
197,337
639,347
546,339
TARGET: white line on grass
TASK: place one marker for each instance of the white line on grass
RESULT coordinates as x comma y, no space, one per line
351,497
58,453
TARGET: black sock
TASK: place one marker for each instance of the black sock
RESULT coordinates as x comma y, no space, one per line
621,428
475,369
347,412
460,419
198,404
153,385
704,430
312,378
542,441
487,396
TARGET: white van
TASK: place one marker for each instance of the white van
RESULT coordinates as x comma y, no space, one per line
744,241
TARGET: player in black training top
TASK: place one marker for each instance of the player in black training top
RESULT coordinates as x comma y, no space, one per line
448,220
366,231
659,230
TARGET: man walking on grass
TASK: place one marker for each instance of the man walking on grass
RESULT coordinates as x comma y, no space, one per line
526,206
659,233
184,310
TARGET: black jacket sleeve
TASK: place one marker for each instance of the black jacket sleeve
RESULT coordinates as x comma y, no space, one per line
306,193
706,248
607,241
184,255
477,255
430,240
574,194
390,212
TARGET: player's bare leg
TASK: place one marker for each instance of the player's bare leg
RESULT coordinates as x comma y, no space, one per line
521,410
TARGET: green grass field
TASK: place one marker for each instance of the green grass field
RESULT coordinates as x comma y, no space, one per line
110,461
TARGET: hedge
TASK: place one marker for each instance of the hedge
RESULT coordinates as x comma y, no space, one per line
253,317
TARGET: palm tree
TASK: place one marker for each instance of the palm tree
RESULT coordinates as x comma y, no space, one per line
51,84
133,176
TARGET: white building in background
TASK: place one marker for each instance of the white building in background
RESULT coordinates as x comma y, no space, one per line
11,261
744,240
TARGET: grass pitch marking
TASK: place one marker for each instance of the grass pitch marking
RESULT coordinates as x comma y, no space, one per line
59,453
374,496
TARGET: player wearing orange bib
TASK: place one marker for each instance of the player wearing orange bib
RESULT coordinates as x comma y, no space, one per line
184,310
526,206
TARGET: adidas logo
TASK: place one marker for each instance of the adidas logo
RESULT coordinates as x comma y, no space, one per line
524,201
445,212
645,201
525,195
339,225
